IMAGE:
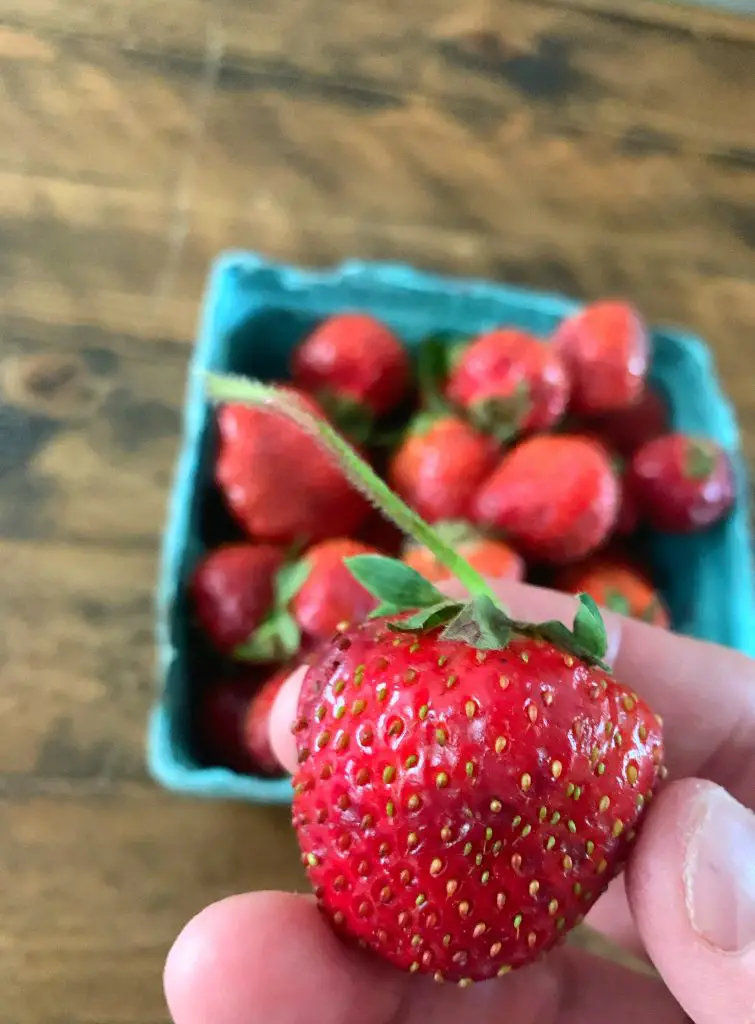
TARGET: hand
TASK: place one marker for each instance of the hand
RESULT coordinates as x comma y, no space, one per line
688,903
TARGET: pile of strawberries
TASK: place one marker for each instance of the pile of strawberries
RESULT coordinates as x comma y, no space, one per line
540,459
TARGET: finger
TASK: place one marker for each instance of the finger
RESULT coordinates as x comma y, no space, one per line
282,714
705,693
270,958
691,886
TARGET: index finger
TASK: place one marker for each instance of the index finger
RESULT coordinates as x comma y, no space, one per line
704,693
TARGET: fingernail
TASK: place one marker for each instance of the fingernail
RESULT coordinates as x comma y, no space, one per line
720,873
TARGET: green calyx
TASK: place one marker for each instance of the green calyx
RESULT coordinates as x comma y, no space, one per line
353,418
481,621
700,460
438,353
502,416
278,637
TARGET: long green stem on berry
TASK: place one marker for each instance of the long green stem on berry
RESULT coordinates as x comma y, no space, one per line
230,388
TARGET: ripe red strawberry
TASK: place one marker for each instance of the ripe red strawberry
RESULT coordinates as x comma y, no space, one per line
439,466
256,724
606,349
682,483
467,784
232,591
459,810
277,481
353,358
554,497
330,596
509,382
617,585
488,556
628,429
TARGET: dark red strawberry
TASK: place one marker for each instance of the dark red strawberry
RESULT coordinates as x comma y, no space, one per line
488,556
330,596
439,466
682,483
617,585
628,429
606,349
468,784
256,725
380,534
278,483
221,718
241,595
554,497
352,358
509,382
232,591
628,519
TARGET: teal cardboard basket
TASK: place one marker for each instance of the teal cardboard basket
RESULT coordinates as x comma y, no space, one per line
254,314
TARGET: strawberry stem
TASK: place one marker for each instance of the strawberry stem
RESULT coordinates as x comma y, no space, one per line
242,390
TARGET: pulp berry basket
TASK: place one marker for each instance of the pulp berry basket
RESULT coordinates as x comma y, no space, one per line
254,314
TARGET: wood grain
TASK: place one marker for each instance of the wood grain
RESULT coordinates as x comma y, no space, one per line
586,146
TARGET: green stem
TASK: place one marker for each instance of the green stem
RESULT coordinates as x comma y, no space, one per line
230,388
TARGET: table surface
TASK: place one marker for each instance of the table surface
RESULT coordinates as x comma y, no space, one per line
587,146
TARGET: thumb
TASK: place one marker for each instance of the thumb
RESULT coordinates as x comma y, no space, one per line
691,887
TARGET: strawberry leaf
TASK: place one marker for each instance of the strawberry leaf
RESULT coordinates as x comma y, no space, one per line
393,583
289,581
481,624
427,618
589,629
277,639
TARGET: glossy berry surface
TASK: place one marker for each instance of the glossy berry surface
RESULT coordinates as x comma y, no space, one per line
510,382
606,348
460,810
353,356
330,596
554,497
682,483
232,589
439,465
277,481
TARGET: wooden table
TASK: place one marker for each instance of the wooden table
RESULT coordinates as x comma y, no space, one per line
589,146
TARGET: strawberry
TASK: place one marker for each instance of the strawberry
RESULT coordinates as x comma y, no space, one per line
554,497
380,534
618,586
606,349
488,556
353,360
232,591
682,483
330,596
439,465
256,724
241,593
277,482
468,784
221,715
627,429
509,382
